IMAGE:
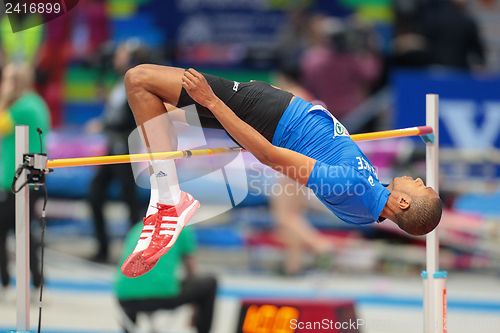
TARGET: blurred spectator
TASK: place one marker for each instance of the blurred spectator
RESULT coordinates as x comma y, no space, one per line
340,66
293,40
117,122
91,29
453,35
487,15
161,289
19,105
55,53
288,77
288,208
76,36
410,48
20,46
293,229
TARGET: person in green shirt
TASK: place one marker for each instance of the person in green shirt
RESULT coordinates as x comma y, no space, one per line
161,288
21,45
19,105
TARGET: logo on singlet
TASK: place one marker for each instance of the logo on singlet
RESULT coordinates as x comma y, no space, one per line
235,86
340,130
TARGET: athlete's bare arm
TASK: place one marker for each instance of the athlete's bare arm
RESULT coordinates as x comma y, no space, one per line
288,162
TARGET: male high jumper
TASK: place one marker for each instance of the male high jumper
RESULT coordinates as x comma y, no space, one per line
301,140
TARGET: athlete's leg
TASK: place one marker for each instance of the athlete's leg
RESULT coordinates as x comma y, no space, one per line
148,87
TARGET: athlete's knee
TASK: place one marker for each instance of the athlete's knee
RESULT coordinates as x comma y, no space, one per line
137,77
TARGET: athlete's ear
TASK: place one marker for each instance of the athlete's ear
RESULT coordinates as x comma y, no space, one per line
403,200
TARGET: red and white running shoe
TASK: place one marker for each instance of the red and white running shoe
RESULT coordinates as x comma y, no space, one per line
135,263
168,224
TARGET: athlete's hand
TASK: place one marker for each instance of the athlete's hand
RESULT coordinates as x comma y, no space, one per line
198,88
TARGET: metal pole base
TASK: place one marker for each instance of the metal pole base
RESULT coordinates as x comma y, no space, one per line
435,302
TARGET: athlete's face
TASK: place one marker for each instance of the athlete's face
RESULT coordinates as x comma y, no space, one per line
412,187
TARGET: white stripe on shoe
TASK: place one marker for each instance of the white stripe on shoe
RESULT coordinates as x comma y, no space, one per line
142,244
182,221
145,238
167,232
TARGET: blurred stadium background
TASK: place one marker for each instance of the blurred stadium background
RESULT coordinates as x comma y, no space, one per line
371,62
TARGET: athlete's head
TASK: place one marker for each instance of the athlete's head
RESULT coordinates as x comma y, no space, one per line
414,207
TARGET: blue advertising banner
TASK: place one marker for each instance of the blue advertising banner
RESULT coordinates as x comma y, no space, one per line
469,106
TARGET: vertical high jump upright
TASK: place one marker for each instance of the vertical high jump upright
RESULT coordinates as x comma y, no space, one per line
22,237
434,299
434,279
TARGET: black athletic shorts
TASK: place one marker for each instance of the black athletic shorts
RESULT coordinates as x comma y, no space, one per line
257,103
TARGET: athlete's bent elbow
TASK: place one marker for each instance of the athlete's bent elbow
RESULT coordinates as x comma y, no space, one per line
264,160
267,156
